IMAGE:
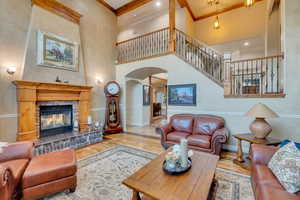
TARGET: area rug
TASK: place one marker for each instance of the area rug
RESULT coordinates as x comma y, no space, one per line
100,177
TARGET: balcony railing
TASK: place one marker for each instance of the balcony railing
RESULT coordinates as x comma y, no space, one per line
253,77
260,76
203,58
157,43
144,46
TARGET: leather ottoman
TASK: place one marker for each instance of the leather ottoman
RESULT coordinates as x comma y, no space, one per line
50,173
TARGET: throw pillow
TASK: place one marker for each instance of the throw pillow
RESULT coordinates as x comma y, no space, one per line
285,142
285,165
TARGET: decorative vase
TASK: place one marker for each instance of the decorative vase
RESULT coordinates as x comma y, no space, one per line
260,128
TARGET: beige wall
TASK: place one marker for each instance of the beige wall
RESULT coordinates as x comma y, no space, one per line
210,98
156,22
97,33
235,25
273,37
48,22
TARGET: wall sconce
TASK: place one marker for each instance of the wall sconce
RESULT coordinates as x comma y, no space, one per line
99,80
11,70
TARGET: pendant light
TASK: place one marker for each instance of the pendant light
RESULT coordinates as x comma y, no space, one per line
217,23
249,3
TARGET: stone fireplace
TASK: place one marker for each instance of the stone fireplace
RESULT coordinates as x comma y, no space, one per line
47,109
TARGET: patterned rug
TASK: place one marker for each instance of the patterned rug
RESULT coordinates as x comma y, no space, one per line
100,177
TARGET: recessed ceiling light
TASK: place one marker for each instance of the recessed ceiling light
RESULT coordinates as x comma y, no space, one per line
158,3
134,15
246,44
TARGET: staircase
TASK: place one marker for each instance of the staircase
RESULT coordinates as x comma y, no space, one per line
261,77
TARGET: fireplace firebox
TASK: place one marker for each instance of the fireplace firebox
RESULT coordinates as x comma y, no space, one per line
56,119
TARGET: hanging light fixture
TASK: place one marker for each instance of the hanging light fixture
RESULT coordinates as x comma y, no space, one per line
217,23
249,3
211,2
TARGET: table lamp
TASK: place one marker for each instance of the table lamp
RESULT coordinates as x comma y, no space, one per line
260,127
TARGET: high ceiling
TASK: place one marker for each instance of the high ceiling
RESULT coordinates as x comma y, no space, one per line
115,4
198,9
201,7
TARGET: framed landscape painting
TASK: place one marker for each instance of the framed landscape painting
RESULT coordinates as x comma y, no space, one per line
182,95
57,52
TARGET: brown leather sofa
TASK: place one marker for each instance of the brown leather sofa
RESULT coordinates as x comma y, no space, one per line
13,161
265,185
32,177
203,132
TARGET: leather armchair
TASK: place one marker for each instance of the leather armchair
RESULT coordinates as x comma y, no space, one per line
13,162
264,183
203,132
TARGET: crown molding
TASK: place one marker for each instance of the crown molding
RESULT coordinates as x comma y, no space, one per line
59,9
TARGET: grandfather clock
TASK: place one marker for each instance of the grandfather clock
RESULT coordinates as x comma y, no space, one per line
112,116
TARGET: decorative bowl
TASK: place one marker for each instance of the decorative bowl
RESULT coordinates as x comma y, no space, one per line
178,169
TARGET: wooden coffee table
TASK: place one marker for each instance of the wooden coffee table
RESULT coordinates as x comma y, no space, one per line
154,183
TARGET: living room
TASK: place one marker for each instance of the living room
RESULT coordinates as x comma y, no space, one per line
149,99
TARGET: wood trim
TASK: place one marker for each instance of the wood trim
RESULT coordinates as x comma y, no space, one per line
28,93
59,9
235,6
140,36
106,5
261,58
131,6
147,57
279,95
185,4
172,21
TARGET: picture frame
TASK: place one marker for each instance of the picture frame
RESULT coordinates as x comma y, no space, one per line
182,95
146,95
57,52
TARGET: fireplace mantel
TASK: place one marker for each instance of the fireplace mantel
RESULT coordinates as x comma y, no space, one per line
29,93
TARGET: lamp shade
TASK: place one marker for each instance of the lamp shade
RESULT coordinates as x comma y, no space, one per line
261,111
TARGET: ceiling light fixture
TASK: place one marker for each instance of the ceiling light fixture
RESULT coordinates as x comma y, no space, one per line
158,3
217,23
246,44
211,2
249,3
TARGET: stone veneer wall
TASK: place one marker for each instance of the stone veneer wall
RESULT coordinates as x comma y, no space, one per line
67,141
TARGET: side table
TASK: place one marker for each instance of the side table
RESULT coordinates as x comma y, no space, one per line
248,137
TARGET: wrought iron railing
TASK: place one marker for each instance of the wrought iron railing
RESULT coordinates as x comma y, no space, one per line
260,76
189,49
144,46
200,56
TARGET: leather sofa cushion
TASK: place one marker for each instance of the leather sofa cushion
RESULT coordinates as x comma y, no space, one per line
50,167
17,167
269,192
262,174
176,136
202,141
207,124
267,186
182,123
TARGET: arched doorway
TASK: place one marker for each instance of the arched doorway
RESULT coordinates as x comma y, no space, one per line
145,100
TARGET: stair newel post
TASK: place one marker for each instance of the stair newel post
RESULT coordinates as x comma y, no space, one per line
172,10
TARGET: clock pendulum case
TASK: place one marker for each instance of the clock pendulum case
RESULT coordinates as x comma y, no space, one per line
112,116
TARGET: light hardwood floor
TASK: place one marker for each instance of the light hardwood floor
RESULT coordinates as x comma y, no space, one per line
149,144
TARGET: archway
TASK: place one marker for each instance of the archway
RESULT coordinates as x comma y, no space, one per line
141,114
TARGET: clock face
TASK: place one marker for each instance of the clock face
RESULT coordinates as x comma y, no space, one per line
113,88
